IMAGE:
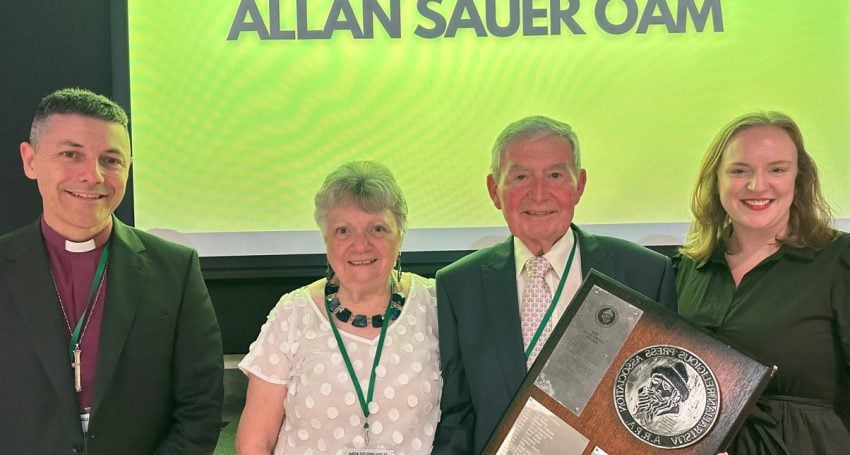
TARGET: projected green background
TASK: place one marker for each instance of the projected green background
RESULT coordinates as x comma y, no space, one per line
237,135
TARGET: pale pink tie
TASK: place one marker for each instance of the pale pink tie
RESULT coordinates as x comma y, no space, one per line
535,301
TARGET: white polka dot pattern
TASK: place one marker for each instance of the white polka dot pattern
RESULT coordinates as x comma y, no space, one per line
297,348
374,407
429,429
326,389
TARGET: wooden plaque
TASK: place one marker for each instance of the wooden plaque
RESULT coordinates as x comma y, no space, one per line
621,375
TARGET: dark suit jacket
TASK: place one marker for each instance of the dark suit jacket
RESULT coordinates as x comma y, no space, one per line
158,380
481,349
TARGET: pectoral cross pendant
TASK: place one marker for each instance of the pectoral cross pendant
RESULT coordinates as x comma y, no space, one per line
77,365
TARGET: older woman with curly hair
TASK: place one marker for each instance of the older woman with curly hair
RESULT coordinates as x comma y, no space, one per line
350,361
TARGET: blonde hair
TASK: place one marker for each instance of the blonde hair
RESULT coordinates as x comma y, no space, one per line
810,220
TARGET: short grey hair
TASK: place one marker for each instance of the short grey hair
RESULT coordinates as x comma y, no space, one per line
532,128
369,184
76,101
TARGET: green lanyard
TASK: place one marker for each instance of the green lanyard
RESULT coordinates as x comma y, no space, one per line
554,301
364,402
98,276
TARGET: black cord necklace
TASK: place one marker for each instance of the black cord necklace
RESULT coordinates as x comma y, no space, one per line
342,313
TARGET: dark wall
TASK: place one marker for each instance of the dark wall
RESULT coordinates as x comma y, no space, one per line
44,45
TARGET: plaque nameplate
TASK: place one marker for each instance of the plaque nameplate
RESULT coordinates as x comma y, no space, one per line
538,431
587,348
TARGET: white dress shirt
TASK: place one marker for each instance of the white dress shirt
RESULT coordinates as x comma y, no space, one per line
557,257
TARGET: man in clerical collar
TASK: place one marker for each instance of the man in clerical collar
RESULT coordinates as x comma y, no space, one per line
492,303
109,337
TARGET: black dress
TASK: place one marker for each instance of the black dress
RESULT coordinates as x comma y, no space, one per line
791,310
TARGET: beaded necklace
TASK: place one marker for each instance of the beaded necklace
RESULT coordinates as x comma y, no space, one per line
397,299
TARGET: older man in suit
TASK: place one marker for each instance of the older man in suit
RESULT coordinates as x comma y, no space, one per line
487,330
108,340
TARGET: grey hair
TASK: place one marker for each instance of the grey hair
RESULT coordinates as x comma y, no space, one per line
532,128
369,184
76,101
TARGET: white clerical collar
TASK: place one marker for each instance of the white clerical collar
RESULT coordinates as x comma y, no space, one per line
79,247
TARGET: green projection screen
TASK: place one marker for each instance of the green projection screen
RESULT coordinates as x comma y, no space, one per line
241,107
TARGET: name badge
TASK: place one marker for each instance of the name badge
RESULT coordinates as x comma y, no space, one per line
367,451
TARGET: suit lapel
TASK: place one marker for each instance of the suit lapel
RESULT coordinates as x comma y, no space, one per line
592,255
127,276
500,301
35,296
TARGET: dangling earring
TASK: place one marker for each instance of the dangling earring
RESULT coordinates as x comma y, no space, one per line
398,267
329,272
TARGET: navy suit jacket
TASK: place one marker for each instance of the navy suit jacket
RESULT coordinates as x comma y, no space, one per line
481,348
158,379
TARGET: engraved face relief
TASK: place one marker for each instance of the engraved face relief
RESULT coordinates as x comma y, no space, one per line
666,396
667,388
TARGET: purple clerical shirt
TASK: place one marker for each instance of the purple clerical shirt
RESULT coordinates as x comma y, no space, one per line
73,273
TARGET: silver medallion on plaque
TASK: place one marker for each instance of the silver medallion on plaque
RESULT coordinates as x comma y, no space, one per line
606,316
666,396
